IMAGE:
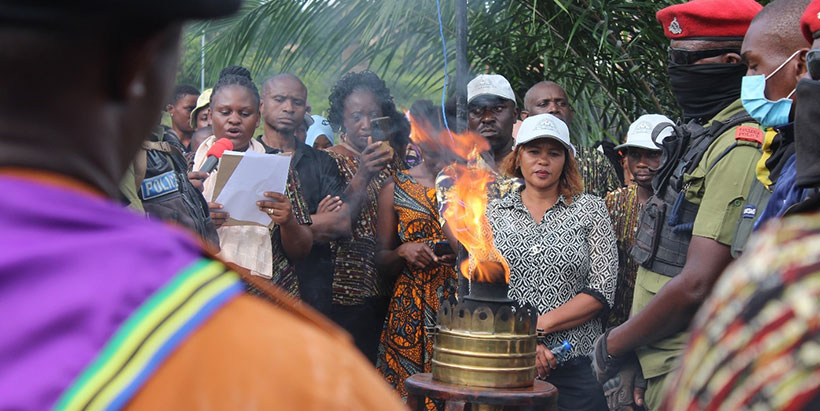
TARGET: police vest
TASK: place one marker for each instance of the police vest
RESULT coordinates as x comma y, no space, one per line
667,219
165,191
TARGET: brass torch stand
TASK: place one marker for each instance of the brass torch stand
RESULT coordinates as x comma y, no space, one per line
485,340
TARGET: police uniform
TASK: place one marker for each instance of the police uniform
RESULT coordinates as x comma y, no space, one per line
709,188
721,194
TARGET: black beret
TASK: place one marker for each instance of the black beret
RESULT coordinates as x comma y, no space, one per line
79,11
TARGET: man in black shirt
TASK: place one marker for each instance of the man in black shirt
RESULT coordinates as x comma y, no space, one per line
283,109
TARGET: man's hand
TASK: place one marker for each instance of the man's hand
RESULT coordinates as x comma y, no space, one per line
544,362
625,391
375,157
278,208
417,254
197,179
218,216
604,366
329,204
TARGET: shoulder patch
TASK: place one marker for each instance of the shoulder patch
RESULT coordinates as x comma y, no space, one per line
749,133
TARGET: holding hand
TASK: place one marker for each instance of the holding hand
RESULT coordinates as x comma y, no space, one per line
197,179
544,362
278,208
375,157
417,254
329,204
218,216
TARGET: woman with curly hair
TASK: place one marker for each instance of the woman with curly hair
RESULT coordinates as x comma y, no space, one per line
562,255
359,293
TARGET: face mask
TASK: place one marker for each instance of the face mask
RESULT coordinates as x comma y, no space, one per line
703,90
753,96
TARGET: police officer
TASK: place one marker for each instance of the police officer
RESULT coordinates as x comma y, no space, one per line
688,226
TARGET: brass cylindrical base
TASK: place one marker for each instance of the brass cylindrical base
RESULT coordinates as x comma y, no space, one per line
484,359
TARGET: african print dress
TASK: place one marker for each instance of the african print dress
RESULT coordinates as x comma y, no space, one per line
624,209
406,348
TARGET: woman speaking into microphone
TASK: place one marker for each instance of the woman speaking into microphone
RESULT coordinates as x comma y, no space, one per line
235,115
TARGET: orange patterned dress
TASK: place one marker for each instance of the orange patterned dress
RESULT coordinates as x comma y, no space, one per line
406,348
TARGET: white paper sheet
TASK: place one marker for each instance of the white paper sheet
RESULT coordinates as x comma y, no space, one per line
255,174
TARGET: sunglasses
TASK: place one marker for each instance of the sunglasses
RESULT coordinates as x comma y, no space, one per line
813,63
681,56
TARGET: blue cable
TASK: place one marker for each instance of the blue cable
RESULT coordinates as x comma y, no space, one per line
444,50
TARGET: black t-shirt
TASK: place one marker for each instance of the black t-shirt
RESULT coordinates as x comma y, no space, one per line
318,176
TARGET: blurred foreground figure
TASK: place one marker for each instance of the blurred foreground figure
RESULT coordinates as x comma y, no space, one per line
103,309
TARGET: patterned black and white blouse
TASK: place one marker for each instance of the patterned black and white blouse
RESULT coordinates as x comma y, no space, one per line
572,251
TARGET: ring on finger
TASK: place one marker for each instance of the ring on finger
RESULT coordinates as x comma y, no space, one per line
269,211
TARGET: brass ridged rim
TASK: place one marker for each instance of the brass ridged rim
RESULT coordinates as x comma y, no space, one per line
484,354
488,336
482,369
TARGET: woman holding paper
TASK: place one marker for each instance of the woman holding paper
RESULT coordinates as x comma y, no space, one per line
235,115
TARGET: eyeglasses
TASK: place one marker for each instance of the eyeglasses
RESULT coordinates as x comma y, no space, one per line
813,63
681,56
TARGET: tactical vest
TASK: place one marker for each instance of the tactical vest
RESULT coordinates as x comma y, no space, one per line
667,219
165,191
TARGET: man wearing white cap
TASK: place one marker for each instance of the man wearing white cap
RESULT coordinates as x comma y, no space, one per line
643,158
492,112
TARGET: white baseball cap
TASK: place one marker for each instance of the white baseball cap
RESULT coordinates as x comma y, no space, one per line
319,127
544,126
640,132
490,85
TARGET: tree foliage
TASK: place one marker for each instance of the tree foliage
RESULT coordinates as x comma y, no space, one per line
610,55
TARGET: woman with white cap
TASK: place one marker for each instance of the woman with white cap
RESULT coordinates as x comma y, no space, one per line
319,134
561,251
642,159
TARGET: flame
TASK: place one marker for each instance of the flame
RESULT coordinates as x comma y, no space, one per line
468,222
465,215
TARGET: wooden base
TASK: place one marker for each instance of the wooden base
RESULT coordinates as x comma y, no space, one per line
542,395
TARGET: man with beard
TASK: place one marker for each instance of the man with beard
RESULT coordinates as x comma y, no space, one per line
596,170
700,195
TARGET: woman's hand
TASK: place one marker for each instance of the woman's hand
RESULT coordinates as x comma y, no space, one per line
417,254
375,157
329,204
218,216
278,208
544,361
447,259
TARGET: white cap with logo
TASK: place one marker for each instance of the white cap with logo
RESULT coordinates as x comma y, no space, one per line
640,132
544,126
319,127
490,85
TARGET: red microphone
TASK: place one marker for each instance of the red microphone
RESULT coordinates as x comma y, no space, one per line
215,153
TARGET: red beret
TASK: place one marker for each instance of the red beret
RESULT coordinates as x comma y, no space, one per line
810,22
708,18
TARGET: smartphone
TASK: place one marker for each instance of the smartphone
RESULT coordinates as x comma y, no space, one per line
441,248
380,127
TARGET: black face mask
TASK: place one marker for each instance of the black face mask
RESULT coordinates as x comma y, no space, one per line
703,90
807,133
